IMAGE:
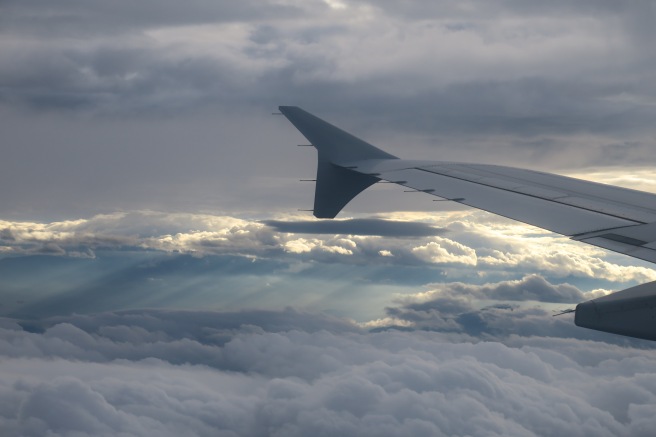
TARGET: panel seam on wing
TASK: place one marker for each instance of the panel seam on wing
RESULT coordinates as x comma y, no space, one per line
637,222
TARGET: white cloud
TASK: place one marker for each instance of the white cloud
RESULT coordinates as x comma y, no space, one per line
298,246
474,239
636,178
446,251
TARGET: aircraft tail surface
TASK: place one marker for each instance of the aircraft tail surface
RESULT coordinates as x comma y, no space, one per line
336,183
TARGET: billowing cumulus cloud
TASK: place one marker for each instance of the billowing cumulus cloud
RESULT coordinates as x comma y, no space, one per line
205,374
466,240
177,260
494,311
446,251
532,287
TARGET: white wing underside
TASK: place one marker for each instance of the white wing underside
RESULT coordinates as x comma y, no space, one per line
615,218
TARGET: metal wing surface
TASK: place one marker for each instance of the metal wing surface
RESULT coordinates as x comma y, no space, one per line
618,219
615,218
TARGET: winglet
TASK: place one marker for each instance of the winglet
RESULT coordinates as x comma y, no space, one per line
333,144
336,184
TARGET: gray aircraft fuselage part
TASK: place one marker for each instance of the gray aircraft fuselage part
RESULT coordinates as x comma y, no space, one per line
614,218
630,312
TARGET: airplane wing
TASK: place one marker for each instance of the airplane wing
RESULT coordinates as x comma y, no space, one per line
618,219
614,218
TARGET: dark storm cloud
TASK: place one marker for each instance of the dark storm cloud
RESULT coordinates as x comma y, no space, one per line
141,372
379,227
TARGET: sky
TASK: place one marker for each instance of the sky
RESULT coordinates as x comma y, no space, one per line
157,276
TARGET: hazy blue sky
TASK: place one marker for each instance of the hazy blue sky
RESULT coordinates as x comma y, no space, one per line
156,277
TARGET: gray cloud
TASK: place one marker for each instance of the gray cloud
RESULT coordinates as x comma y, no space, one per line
379,227
495,311
141,371
79,19
119,72
531,287
174,98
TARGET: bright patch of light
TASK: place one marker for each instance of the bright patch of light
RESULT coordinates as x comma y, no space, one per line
336,4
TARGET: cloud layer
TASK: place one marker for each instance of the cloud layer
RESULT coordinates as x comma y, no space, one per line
176,260
449,240
201,374
523,62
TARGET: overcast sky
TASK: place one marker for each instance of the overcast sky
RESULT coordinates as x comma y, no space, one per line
157,278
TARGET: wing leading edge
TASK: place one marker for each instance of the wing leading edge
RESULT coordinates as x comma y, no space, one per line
618,219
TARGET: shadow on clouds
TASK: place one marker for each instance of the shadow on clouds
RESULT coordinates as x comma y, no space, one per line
376,227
